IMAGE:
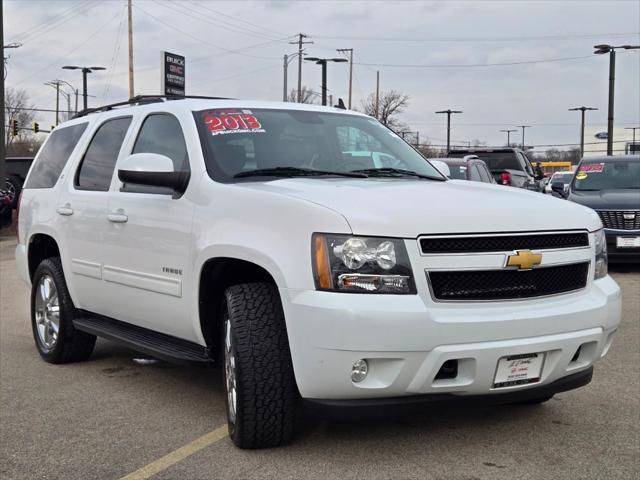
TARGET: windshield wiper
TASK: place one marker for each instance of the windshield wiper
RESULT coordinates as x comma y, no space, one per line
391,172
295,172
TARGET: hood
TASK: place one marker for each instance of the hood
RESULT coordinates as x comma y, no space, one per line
608,199
409,208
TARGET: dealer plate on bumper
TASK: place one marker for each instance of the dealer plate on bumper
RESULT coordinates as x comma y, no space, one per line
628,242
518,370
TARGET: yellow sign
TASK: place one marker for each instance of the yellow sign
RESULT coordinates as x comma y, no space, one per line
524,259
581,176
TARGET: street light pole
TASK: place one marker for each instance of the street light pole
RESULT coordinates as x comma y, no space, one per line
449,112
634,133
509,135
85,71
611,50
323,63
582,109
523,127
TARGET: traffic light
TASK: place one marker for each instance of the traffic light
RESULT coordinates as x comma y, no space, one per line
36,127
14,128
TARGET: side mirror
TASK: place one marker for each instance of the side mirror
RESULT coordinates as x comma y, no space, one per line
153,170
558,188
442,167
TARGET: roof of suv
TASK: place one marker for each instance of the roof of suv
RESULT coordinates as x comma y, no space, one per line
196,104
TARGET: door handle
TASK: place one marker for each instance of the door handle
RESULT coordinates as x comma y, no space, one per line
65,210
118,217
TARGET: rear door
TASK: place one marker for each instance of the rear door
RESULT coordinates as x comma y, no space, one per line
148,239
82,214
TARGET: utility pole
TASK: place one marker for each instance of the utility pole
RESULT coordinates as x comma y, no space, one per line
582,110
284,83
611,50
300,43
509,136
56,84
449,112
523,127
85,71
131,90
377,94
350,51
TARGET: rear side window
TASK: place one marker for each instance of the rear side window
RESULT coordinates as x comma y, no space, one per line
100,158
54,155
474,174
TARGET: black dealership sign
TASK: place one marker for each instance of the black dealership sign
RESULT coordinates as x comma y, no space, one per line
172,74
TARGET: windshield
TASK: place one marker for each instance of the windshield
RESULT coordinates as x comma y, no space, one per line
605,175
239,141
561,177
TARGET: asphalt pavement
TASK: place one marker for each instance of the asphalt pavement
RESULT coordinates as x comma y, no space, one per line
111,417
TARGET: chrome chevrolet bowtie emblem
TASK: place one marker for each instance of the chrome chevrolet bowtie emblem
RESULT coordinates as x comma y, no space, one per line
524,259
629,215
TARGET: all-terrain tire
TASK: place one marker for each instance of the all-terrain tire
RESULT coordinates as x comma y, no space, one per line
265,389
71,345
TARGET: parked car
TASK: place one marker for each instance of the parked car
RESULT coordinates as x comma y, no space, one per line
611,186
16,169
509,166
243,233
469,168
559,179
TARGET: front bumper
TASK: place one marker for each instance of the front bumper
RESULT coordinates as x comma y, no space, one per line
615,254
405,340
383,407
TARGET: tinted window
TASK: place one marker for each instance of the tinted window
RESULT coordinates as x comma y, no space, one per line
484,173
100,158
495,161
458,172
161,133
54,155
474,175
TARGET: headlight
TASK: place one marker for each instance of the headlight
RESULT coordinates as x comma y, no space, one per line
345,263
601,254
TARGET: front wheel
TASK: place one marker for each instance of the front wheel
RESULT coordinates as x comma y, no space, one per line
261,393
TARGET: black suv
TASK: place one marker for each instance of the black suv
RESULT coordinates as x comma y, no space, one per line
509,166
611,186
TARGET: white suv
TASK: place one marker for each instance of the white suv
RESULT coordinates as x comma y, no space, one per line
264,236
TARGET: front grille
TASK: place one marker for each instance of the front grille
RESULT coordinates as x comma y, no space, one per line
503,243
615,219
508,284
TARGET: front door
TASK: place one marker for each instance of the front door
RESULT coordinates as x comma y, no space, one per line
148,241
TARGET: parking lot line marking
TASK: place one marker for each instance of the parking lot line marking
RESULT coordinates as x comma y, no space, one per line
178,455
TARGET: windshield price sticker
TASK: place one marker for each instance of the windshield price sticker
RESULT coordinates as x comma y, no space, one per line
592,167
221,122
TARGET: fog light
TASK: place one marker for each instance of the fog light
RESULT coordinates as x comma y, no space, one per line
359,371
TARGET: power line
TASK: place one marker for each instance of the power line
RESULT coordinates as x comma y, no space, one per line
200,40
472,65
475,39
239,20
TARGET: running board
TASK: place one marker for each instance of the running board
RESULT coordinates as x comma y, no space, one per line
158,345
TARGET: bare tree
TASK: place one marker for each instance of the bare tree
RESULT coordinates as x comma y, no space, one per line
306,95
391,104
17,105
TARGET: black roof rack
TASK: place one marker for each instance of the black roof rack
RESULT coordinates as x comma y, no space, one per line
142,100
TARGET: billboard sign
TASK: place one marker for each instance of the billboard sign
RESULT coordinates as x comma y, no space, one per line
173,74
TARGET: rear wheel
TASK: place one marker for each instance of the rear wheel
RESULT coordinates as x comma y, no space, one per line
52,314
261,393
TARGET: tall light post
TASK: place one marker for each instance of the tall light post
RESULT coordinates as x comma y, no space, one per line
85,71
287,61
449,112
509,135
582,109
634,132
323,63
523,127
611,50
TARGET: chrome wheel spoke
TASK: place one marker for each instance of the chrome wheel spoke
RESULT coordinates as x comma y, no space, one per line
47,312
